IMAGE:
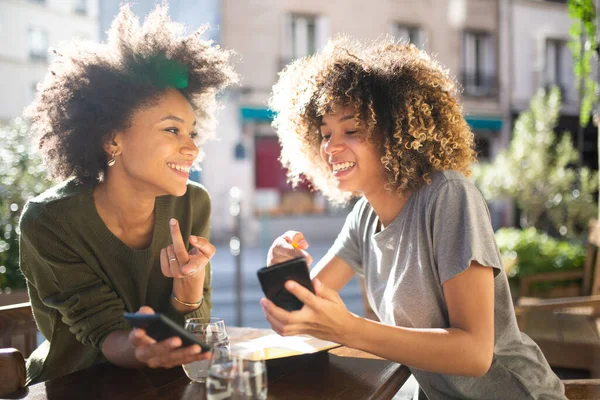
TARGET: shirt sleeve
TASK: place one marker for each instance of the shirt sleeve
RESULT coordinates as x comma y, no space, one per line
461,230
347,245
89,307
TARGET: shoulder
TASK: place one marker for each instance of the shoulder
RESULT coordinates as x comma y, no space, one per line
360,215
62,191
450,192
54,198
449,183
360,209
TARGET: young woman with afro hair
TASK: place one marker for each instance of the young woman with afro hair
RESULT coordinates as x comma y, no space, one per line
382,121
121,125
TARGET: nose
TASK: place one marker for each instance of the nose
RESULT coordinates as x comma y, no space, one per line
333,145
190,148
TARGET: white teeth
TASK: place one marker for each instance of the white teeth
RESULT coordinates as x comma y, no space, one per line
179,167
343,166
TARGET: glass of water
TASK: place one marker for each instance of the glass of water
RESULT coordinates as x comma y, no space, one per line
213,333
238,374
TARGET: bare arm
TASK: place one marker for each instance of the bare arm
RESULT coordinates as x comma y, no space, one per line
465,348
117,349
333,272
134,349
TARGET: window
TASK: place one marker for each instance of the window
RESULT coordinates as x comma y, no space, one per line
81,7
38,43
479,75
410,34
303,35
559,67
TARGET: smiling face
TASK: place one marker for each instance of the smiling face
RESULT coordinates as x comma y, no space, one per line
354,161
156,152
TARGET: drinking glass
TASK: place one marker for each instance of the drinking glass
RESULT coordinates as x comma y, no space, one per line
213,333
237,374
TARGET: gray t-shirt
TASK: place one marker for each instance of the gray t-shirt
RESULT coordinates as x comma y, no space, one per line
443,227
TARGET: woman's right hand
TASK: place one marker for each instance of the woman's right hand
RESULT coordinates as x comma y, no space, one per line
164,354
283,248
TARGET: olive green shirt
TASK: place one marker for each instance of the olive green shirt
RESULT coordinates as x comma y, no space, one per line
81,278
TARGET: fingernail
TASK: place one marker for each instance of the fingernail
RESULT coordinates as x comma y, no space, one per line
290,285
193,239
173,221
303,243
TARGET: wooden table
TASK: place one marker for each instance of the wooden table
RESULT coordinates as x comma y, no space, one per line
340,373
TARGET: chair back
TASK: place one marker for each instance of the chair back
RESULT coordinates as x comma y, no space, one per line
18,328
591,270
13,373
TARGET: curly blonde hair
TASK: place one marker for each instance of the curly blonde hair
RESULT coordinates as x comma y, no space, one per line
92,90
404,99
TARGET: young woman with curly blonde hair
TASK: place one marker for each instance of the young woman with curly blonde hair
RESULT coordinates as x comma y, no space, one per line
383,121
121,124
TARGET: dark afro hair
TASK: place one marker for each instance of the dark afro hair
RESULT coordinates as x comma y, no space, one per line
92,90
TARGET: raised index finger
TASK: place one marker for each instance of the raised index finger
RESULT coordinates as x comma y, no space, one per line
178,243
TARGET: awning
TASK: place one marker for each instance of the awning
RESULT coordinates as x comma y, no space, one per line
478,122
261,114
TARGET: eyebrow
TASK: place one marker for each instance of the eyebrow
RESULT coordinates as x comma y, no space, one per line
344,118
174,118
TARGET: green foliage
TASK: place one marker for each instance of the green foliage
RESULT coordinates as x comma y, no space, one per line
583,31
536,252
22,176
538,171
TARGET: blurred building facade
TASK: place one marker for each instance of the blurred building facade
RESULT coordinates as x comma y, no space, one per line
28,28
539,34
500,51
464,35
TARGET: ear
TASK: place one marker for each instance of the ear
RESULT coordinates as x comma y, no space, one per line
113,144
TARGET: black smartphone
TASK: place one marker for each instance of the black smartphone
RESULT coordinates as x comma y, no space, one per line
273,278
160,327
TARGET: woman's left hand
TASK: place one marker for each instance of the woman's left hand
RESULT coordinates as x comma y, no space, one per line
324,314
187,269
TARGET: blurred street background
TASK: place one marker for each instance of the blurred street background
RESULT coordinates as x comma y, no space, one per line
527,98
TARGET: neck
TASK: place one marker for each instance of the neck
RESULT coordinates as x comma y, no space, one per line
122,204
387,205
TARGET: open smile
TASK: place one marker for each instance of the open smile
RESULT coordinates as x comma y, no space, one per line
342,168
181,170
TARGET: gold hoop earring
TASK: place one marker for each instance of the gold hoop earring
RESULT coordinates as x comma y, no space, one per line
113,160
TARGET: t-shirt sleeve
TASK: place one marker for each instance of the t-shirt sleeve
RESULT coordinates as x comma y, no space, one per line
64,282
461,230
347,244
